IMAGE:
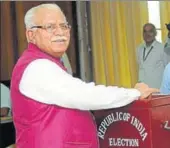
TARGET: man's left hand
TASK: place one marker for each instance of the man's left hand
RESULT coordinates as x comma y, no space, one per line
145,90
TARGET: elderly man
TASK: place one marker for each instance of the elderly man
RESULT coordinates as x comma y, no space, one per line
151,58
50,107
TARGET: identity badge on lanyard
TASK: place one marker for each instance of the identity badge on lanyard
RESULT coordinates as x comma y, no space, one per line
145,57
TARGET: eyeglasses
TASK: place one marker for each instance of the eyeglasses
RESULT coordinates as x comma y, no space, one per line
51,28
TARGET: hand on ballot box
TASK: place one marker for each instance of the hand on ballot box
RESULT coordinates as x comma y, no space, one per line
145,90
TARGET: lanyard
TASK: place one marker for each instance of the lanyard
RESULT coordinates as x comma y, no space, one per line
145,57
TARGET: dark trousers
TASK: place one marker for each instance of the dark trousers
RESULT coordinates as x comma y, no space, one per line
7,134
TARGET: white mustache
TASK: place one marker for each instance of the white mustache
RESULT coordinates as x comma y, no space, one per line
63,38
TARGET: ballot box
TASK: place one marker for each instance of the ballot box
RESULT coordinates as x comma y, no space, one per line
141,124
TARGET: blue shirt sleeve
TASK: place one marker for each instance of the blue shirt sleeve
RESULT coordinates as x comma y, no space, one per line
165,86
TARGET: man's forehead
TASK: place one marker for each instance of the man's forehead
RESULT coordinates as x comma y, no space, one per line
50,16
148,27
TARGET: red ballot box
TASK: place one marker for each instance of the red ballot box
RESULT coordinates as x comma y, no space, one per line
142,124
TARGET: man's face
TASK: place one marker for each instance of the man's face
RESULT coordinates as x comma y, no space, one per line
54,37
149,34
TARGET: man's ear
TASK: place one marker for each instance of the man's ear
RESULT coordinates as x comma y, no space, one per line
30,35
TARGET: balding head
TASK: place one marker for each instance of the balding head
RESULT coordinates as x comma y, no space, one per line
149,33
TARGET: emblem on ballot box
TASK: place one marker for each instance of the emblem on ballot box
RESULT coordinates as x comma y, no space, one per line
141,124
122,141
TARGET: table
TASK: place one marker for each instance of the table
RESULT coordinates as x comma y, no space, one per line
4,120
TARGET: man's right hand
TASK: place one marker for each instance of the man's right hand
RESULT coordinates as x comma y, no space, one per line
145,90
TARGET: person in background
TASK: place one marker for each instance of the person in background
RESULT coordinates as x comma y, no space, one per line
51,108
151,58
5,101
7,130
167,43
165,86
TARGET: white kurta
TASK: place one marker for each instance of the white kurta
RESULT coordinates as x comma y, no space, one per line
46,82
152,61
